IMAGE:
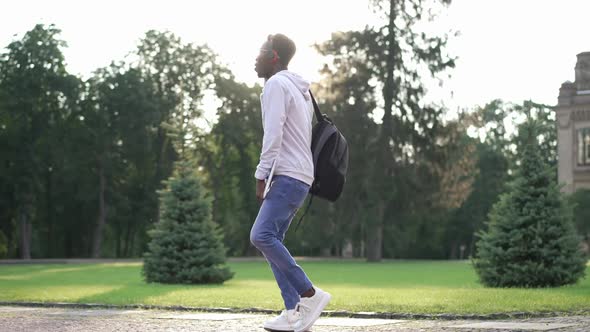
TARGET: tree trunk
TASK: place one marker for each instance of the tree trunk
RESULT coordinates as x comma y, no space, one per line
161,144
132,244
49,251
25,231
375,237
128,242
101,221
118,243
385,157
453,251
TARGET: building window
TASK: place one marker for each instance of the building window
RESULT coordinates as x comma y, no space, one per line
584,146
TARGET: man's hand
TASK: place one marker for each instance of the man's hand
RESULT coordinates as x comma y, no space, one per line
260,185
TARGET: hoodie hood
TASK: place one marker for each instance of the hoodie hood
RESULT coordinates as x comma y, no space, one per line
300,83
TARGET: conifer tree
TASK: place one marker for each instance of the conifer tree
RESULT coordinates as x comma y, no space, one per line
531,240
186,246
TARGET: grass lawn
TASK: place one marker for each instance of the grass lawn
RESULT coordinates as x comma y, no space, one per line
402,287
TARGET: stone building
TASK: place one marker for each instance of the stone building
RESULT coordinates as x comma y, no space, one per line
573,128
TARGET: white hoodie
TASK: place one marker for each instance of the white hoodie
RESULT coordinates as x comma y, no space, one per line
287,114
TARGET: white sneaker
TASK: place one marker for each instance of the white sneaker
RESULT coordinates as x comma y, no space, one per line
310,309
283,322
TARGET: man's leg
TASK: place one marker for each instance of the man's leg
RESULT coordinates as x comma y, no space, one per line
288,293
275,215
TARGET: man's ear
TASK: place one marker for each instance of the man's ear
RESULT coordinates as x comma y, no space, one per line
275,57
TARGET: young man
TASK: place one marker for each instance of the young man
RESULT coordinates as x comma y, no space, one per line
287,113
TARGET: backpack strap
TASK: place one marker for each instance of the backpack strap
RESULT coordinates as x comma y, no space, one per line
304,213
323,139
316,108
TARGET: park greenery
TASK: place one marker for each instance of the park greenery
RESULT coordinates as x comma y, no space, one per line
82,161
418,287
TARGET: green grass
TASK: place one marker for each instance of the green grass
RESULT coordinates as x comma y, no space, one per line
407,286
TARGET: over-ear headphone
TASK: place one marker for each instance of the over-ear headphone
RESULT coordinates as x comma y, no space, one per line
272,52
275,57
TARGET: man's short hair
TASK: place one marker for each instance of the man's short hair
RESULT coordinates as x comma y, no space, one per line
284,46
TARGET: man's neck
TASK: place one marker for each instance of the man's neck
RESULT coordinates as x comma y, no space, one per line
278,69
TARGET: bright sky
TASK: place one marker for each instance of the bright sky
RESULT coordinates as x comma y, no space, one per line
509,49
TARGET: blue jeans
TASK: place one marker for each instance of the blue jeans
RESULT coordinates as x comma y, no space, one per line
285,197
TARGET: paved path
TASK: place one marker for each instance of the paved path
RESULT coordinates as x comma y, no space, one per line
28,319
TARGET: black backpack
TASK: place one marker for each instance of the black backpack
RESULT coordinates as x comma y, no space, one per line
330,159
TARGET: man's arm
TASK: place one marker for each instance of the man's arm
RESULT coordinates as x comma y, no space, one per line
260,186
274,114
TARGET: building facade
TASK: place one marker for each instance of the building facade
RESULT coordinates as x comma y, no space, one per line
573,128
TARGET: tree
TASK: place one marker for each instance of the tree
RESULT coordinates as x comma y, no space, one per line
530,240
397,60
230,153
546,131
401,55
498,148
491,174
3,245
581,202
486,128
38,95
496,122
345,97
143,116
120,113
181,74
186,246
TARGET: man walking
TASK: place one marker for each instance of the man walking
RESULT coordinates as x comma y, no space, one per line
287,113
